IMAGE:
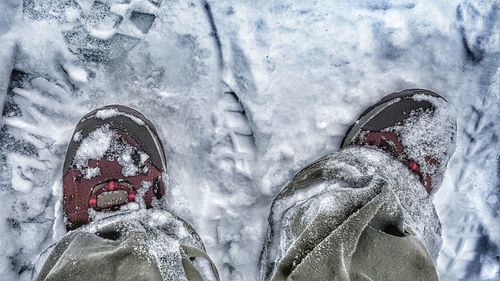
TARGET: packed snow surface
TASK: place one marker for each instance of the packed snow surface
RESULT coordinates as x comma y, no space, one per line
243,94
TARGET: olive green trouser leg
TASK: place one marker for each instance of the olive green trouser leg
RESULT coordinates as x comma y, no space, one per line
354,215
145,245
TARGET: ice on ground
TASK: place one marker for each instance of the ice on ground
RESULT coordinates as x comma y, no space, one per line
303,72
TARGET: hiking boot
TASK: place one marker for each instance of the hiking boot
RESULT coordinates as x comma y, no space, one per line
115,161
415,126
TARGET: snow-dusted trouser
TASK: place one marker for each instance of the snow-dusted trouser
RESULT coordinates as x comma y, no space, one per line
151,245
357,214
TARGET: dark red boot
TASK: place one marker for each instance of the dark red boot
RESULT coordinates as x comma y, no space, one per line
415,126
115,161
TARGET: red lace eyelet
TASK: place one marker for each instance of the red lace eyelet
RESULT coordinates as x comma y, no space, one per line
414,166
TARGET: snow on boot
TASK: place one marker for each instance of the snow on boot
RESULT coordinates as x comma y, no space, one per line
413,125
115,161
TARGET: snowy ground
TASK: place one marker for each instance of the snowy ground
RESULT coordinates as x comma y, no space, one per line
244,94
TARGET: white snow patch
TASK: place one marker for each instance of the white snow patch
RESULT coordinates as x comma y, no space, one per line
112,112
129,168
20,183
72,14
91,172
58,229
77,137
144,157
23,171
107,113
76,73
94,146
